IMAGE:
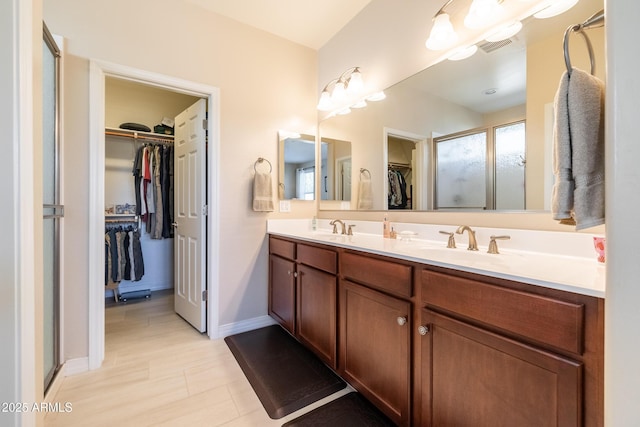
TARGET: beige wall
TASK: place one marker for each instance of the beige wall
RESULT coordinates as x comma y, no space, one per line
126,101
265,84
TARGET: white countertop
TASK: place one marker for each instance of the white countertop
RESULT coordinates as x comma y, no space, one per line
557,260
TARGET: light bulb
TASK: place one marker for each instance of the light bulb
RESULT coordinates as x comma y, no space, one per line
355,83
482,13
339,94
325,103
442,34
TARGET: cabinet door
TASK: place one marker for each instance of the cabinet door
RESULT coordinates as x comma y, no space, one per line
472,377
374,348
282,294
316,314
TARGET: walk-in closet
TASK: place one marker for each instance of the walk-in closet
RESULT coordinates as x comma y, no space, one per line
401,160
139,190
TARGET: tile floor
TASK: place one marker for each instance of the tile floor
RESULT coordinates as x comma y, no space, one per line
159,371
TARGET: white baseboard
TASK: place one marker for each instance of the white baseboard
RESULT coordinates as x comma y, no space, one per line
76,366
244,326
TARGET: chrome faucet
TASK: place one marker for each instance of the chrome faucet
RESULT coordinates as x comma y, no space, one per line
473,244
335,223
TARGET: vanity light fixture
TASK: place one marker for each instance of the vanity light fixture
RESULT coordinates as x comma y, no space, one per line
442,34
490,16
483,13
337,91
345,92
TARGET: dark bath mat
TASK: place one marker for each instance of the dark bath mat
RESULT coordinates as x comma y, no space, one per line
284,374
350,410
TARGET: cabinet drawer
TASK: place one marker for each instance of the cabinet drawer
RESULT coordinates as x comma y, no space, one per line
384,275
283,248
322,259
546,320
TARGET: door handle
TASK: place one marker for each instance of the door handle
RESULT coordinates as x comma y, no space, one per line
174,224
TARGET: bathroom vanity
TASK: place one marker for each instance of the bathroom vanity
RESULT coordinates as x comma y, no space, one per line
435,343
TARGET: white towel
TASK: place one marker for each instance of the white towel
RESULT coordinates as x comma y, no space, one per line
262,192
578,192
365,193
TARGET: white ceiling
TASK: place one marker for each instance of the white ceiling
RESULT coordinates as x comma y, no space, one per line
307,22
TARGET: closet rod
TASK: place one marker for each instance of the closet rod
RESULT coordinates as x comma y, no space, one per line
137,135
399,165
131,219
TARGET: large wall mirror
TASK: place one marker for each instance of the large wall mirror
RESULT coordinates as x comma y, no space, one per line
474,134
297,166
335,169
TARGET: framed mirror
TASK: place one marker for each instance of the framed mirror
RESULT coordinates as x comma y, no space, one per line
297,166
504,83
335,169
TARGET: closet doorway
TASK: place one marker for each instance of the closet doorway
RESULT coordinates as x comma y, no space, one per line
143,224
406,165
196,249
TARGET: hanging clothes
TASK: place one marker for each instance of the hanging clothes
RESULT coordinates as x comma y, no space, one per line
123,255
397,198
167,196
153,181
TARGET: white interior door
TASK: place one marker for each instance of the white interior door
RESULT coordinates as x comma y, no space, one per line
190,215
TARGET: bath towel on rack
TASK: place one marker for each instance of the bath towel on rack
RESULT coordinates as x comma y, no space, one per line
365,191
262,191
578,155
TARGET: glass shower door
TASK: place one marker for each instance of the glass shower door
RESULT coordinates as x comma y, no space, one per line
53,211
461,172
510,155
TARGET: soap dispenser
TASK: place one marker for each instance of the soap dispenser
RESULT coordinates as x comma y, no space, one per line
385,228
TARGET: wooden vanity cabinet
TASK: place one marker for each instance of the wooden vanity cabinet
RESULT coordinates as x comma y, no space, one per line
500,356
282,282
316,309
431,346
375,332
302,294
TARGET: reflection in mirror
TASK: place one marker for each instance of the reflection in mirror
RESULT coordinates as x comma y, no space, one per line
504,83
481,168
297,166
404,189
335,169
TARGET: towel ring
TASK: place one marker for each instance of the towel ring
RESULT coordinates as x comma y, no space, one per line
260,160
567,60
365,172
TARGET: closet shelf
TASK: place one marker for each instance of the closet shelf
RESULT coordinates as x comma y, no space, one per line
145,136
